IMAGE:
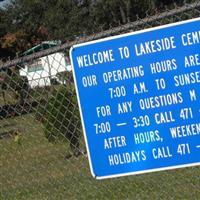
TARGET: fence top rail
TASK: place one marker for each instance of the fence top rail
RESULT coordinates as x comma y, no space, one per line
110,32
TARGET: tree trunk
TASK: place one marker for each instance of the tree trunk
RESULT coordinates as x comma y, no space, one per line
123,15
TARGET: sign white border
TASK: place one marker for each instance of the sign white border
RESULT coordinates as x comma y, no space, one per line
80,109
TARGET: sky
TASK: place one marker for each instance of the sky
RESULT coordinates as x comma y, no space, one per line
2,3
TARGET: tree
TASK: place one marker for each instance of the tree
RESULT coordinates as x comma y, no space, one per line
26,23
23,25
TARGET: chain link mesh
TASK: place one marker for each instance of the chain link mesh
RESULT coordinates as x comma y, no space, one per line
42,148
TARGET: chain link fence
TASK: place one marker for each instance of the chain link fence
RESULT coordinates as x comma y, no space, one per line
42,148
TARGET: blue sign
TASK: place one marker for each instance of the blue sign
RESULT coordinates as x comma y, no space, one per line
139,99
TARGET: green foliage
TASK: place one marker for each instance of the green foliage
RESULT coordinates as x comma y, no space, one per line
60,117
26,23
65,77
111,13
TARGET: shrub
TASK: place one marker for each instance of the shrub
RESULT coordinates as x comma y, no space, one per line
60,117
12,81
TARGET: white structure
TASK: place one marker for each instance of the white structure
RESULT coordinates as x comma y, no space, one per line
40,71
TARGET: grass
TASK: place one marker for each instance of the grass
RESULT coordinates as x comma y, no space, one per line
10,97
34,169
